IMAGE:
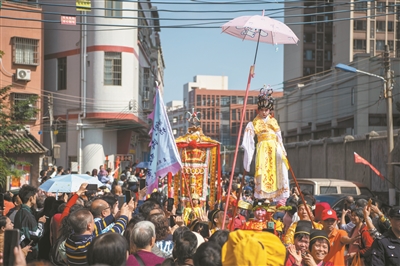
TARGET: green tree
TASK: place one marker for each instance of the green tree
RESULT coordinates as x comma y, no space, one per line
13,117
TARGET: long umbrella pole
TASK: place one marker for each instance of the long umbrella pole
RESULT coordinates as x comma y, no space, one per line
251,73
258,42
239,195
301,194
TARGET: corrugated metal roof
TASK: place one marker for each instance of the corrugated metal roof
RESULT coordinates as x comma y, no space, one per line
26,141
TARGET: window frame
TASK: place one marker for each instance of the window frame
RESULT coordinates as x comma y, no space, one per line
24,97
62,73
112,71
33,55
109,9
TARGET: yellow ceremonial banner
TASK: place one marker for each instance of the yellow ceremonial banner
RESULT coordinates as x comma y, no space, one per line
83,5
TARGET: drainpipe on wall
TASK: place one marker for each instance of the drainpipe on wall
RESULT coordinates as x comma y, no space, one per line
82,114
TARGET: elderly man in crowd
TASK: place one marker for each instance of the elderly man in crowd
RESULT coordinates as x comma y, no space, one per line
85,229
103,215
143,237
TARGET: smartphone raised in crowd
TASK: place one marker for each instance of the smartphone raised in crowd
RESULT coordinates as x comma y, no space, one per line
11,240
91,187
128,196
121,201
142,184
170,204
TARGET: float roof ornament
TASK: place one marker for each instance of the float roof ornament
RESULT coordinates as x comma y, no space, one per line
194,117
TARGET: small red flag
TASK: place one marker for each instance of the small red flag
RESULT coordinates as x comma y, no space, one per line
359,159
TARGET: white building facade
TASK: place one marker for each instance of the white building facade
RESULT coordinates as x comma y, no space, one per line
102,77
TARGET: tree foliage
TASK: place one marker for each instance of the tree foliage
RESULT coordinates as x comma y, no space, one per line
13,117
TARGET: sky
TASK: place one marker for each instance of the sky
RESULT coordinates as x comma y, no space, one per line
194,51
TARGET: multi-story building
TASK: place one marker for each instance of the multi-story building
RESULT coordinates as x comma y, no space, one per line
177,116
21,68
333,32
220,109
338,104
101,76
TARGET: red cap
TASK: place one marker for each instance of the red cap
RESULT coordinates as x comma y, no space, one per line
319,208
328,214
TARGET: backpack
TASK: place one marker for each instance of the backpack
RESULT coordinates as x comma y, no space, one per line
56,256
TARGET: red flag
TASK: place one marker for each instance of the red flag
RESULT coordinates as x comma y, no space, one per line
359,159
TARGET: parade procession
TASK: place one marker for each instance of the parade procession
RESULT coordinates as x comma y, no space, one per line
95,169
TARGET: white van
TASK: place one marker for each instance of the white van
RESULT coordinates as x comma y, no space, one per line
321,186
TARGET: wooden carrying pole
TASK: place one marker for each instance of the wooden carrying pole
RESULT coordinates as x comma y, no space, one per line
301,194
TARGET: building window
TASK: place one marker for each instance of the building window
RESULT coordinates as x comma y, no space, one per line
381,7
25,51
174,120
391,8
225,115
198,102
380,45
225,100
309,55
112,68
240,100
360,25
390,26
61,128
309,37
391,45
360,6
113,8
20,103
62,73
380,26
328,55
359,44
308,71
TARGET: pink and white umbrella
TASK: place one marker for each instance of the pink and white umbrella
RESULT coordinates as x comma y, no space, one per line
260,29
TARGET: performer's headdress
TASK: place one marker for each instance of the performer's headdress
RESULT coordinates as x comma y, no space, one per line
265,99
244,205
303,227
195,196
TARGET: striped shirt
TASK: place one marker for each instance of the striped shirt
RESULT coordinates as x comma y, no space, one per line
76,246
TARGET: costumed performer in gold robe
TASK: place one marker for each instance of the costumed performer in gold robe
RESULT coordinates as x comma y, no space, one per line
189,213
271,173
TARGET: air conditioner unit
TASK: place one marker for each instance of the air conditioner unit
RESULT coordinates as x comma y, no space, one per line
23,74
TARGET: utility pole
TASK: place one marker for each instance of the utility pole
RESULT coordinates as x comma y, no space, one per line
51,118
389,125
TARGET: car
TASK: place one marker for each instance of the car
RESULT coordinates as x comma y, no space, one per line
337,201
321,186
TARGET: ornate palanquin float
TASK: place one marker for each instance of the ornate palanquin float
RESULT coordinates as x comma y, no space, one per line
201,167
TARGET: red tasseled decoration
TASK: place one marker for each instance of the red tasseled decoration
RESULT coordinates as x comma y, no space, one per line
193,144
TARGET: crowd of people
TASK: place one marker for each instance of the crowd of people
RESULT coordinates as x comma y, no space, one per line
255,221
93,228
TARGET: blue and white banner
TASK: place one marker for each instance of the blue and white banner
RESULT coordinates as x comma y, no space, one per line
164,155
